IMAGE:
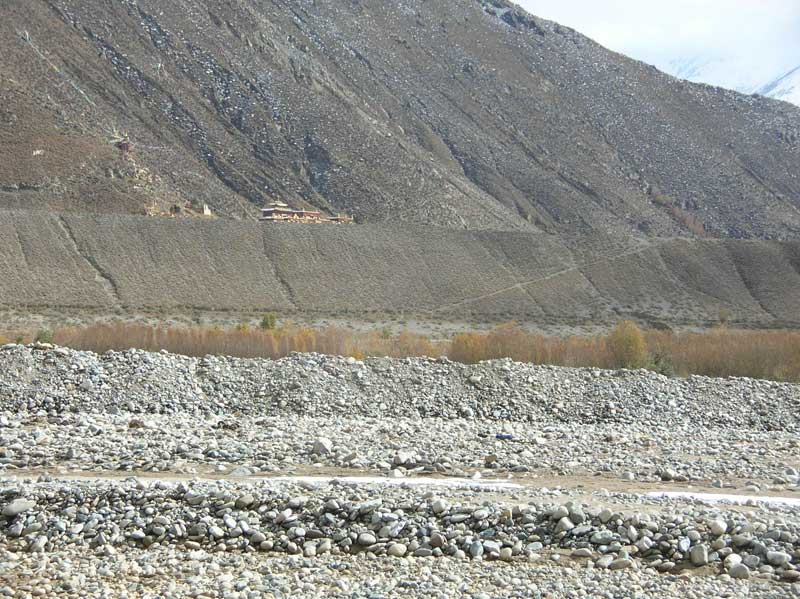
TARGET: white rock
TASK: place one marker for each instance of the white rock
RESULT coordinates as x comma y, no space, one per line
440,506
718,527
699,555
18,506
564,525
397,550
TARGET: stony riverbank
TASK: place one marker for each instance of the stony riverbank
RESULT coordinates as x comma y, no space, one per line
138,473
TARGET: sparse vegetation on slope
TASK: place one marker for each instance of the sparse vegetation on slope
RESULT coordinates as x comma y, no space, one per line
129,263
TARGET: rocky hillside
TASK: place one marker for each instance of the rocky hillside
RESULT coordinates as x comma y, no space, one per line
466,114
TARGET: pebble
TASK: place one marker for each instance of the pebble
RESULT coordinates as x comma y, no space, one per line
739,571
620,564
699,555
718,527
18,506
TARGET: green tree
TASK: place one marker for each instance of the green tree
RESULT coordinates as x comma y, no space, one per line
268,321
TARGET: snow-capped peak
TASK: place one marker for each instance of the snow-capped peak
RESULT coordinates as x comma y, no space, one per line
785,87
742,76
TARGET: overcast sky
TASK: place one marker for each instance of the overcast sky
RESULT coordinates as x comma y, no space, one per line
750,32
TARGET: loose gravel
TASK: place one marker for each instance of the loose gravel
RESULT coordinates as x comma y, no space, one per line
136,474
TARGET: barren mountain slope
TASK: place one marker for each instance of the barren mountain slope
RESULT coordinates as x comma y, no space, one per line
129,263
466,113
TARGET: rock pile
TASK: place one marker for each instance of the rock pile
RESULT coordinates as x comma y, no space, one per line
58,380
340,519
136,473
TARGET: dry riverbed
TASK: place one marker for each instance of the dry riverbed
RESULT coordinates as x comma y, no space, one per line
134,474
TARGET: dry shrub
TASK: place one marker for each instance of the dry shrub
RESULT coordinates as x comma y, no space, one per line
506,341
509,341
720,352
241,342
468,348
399,346
689,221
627,346
244,342
773,355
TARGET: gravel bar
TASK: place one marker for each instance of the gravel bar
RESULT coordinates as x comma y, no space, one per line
134,474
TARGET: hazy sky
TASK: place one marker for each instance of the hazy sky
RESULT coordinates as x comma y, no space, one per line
749,32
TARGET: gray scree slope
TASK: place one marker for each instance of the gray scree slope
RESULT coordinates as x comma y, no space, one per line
138,262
